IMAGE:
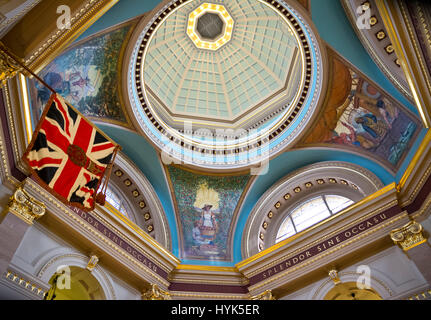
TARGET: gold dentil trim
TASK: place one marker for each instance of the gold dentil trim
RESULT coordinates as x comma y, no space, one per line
27,284
155,293
384,9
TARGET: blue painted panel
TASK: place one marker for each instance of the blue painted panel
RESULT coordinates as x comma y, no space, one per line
122,11
139,150
334,27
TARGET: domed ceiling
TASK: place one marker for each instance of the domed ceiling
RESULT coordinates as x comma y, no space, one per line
224,85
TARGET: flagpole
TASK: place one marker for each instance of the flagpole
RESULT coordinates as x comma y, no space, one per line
101,196
17,60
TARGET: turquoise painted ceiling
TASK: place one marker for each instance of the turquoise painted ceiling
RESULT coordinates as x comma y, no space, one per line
335,29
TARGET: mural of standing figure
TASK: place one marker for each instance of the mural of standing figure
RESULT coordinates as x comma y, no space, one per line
208,223
207,204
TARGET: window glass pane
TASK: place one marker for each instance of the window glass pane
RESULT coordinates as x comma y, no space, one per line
115,201
112,198
310,213
337,203
286,230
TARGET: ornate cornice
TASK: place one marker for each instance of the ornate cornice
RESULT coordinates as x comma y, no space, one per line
424,295
155,293
377,43
23,283
266,295
399,27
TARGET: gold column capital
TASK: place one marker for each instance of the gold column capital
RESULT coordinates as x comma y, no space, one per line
25,206
266,295
408,236
155,293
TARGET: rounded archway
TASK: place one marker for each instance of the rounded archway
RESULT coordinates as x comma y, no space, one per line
350,291
74,283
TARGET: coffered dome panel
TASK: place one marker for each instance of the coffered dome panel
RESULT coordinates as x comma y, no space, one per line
224,84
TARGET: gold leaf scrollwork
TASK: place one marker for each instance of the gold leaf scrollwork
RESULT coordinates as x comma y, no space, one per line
155,293
408,236
8,66
333,274
92,263
266,295
25,207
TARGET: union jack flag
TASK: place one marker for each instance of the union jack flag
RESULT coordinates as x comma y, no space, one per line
68,155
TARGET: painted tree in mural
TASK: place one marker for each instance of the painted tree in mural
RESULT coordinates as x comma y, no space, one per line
87,76
206,208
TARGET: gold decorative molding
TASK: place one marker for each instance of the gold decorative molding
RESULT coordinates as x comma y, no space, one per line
408,236
83,17
26,284
8,67
155,293
426,295
25,206
333,274
407,50
266,295
92,263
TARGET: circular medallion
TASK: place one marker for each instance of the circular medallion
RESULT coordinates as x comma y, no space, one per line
227,84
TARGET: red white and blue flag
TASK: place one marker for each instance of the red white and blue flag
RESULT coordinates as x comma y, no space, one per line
68,155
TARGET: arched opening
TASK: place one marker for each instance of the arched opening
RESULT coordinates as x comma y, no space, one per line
350,291
74,283
117,201
311,212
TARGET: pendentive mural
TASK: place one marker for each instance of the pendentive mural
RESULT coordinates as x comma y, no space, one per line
359,116
87,76
206,207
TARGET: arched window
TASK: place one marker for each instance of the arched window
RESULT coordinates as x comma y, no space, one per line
311,212
114,199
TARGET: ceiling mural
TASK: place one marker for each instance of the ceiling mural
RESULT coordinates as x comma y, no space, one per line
218,84
87,75
359,116
233,97
249,81
206,208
